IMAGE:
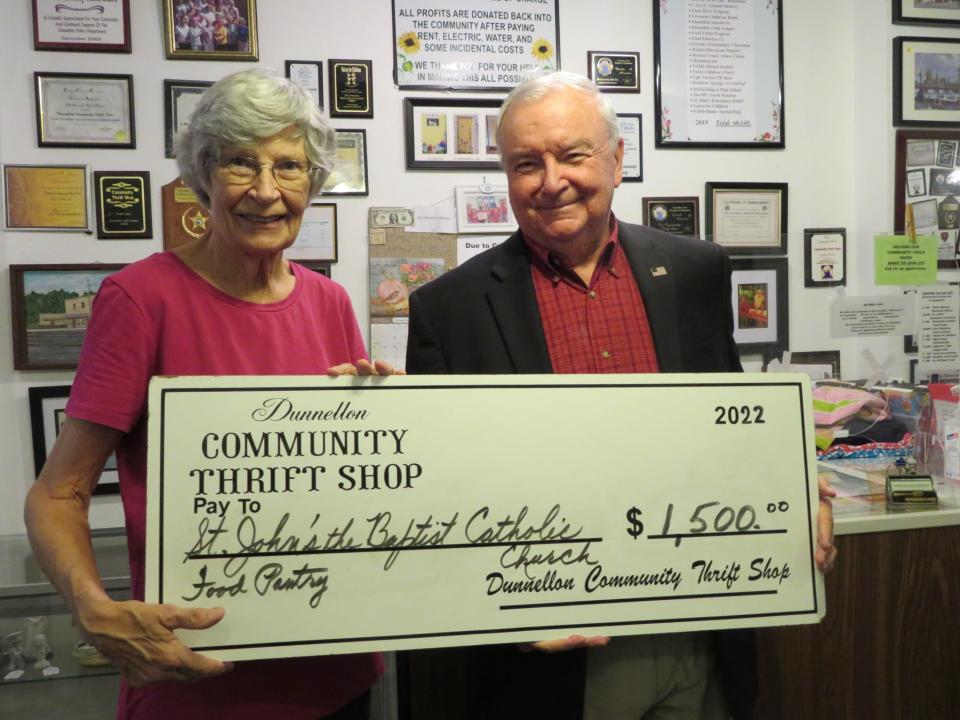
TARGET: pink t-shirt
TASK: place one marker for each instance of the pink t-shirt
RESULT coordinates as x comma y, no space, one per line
158,317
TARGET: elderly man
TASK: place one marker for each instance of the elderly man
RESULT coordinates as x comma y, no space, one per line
577,291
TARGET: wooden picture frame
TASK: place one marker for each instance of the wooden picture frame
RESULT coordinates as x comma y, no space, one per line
51,306
47,403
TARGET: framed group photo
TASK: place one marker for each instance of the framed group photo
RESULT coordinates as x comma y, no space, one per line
180,98
927,184
200,30
448,134
45,197
51,306
84,110
47,413
349,173
760,305
926,12
59,25
747,218
926,84
484,209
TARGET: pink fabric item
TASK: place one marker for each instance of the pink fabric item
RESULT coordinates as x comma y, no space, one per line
850,401
158,317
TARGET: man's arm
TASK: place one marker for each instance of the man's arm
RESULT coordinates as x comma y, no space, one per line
136,637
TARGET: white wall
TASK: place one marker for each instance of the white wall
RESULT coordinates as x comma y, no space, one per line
838,160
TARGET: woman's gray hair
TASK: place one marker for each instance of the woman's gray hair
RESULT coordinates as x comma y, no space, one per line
244,109
539,86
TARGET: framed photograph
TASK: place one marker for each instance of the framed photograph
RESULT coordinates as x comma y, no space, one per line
759,298
824,257
122,202
488,45
59,25
926,12
84,110
928,190
351,88
349,174
484,209
308,74
51,307
747,218
631,132
677,215
445,134
317,240
180,98
718,89
47,413
45,197
202,30
614,71
926,87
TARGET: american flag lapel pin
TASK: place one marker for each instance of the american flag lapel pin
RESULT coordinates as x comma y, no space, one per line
658,271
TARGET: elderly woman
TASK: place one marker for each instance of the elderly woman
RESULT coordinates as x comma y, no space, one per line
256,150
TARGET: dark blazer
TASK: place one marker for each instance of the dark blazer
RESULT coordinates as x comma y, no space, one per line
483,318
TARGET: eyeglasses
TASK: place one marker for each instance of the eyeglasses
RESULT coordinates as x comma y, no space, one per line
289,174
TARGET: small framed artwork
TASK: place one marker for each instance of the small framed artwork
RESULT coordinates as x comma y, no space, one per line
484,209
393,279
926,91
824,257
747,218
926,12
308,74
180,98
930,190
677,215
317,239
64,26
349,174
84,110
614,71
351,88
45,197
51,307
47,413
200,30
711,90
631,132
759,299
446,134
122,202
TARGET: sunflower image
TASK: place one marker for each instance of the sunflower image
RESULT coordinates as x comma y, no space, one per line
542,51
408,43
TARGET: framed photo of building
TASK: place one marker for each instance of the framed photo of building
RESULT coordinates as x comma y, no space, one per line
446,134
760,305
926,82
747,218
51,306
200,30
47,413
926,12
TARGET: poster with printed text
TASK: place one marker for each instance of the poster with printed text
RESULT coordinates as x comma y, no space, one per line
473,44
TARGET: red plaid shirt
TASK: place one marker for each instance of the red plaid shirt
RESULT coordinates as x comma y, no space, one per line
600,328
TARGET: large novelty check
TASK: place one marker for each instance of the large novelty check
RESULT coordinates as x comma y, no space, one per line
339,515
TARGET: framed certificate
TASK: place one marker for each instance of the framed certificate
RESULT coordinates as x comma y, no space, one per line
677,215
45,197
196,30
317,240
722,88
103,27
631,132
824,257
747,218
926,91
349,174
446,134
122,202
308,74
614,71
47,413
84,110
351,88
180,97
759,298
